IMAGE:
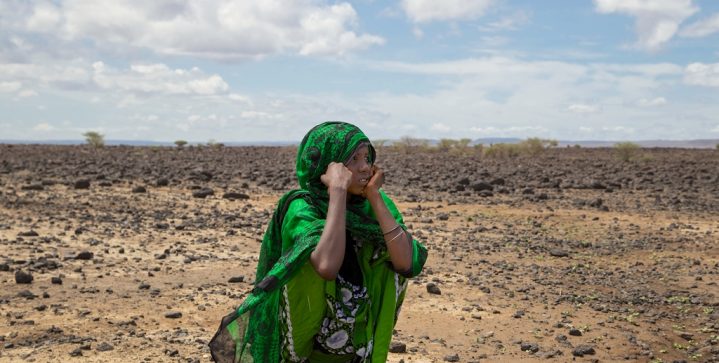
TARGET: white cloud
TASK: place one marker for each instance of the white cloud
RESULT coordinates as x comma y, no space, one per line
440,127
157,78
618,129
507,131
9,87
702,28
583,108
716,129
701,74
586,129
657,21
43,127
421,11
654,102
27,93
511,22
217,29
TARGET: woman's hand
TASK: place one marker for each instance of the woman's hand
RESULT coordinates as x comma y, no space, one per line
337,177
372,187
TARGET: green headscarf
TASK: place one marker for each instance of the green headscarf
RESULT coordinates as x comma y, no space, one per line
328,142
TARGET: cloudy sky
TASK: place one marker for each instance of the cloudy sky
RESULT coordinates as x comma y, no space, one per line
268,70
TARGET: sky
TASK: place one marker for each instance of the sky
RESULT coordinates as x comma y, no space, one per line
269,70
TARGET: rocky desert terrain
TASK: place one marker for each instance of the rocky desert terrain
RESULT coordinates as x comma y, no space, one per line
133,254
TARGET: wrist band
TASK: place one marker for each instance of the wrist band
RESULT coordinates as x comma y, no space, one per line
395,237
392,230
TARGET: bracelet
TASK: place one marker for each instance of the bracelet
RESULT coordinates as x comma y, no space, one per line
395,237
392,230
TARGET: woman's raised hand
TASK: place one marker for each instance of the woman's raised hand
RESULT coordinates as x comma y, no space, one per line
336,177
375,182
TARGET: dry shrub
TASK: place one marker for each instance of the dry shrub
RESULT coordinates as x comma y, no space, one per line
532,146
407,144
94,139
626,151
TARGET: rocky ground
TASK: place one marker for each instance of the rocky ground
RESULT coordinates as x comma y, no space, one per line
128,254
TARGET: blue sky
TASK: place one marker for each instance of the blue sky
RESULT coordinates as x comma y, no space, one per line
269,70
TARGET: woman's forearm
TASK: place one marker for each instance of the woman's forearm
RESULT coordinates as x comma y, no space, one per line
398,243
330,251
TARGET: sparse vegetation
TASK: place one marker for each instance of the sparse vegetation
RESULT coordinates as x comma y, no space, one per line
215,144
531,146
717,147
626,151
407,144
180,143
94,139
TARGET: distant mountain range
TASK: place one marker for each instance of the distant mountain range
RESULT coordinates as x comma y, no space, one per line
692,144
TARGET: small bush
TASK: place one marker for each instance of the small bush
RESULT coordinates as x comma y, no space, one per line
408,144
180,143
94,139
502,150
717,147
626,151
214,144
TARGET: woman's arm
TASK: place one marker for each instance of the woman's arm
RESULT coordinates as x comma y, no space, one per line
330,251
398,241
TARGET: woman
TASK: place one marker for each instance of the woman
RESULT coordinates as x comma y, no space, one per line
333,263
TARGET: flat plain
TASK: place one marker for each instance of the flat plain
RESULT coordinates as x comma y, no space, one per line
131,254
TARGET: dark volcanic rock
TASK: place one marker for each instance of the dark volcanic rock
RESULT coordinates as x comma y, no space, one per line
478,187
236,279
582,350
82,184
104,347
173,314
451,358
556,252
56,280
203,193
32,187
4,267
22,277
529,347
28,234
162,182
397,347
234,196
432,288
139,189
84,255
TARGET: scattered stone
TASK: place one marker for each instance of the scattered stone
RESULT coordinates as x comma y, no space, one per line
173,314
529,347
582,350
162,182
144,286
77,352
104,347
203,193
32,187
451,358
432,288
556,252
28,234
139,189
686,336
22,277
235,196
397,347
82,184
4,267
56,280
236,279
26,294
84,255
518,314
575,332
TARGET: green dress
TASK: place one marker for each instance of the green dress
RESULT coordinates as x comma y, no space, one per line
293,314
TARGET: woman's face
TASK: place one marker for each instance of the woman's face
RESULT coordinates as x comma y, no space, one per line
361,167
